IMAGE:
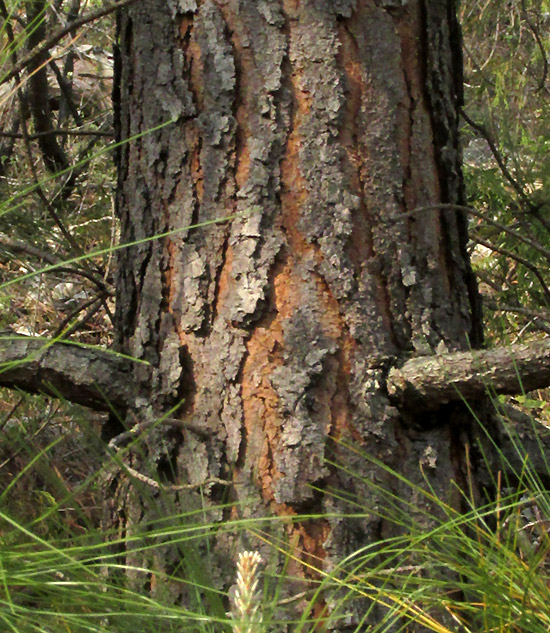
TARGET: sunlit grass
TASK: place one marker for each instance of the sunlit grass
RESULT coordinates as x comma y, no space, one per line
479,567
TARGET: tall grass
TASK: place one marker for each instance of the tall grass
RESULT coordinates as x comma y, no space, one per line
483,568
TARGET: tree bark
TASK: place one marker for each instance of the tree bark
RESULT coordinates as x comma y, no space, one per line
320,124
278,336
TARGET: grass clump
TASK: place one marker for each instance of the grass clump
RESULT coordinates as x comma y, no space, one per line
478,567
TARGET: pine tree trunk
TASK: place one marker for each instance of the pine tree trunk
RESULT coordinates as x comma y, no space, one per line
319,127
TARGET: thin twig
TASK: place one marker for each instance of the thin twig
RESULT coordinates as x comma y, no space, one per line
58,132
30,439
498,157
519,259
60,34
94,304
477,214
23,247
24,127
533,314
537,321
22,106
66,89
540,44
137,431
11,412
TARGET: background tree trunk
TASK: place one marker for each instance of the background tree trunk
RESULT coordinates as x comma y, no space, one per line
322,124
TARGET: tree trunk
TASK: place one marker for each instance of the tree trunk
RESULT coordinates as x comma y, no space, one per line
318,127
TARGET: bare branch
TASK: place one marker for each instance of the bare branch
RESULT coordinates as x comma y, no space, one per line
477,214
538,319
66,328
102,380
430,381
16,246
498,157
60,34
517,258
88,376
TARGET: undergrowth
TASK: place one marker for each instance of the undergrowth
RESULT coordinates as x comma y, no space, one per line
482,567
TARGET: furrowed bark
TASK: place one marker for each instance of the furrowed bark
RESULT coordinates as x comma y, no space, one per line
321,124
90,377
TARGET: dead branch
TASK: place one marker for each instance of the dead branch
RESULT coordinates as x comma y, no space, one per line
102,380
95,378
430,381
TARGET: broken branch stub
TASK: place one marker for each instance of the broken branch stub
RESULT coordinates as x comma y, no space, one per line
431,381
92,377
